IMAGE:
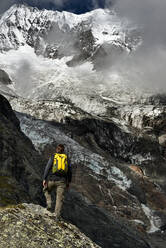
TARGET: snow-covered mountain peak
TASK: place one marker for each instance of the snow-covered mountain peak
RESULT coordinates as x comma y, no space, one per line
22,25
21,10
63,40
16,12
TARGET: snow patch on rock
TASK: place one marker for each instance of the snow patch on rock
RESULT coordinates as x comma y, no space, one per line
149,213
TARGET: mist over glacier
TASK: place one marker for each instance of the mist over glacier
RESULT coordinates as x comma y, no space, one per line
30,71
146,66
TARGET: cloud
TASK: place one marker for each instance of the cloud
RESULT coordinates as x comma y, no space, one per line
146,66
149,14
5,4
57,3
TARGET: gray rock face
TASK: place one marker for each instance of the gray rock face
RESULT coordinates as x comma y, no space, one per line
4,77
6,84
19,162
7,112
100,225
162,140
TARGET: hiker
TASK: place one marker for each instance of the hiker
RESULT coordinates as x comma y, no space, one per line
57,176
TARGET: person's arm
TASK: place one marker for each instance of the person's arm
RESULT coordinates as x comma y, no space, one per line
47,169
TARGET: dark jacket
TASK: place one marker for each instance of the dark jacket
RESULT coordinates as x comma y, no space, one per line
49,176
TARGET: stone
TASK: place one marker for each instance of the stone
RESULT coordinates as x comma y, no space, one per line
29,225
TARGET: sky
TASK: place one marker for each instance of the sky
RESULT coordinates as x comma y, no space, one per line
75,6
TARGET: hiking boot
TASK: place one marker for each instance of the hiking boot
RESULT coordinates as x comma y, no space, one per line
58,218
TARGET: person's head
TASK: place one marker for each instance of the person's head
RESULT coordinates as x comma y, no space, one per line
60,148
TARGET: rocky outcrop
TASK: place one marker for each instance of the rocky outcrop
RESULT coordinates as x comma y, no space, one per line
21,166
85,46
4,77
29,225
6,84
7,113
100,225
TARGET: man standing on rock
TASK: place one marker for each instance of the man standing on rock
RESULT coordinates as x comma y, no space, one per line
57,176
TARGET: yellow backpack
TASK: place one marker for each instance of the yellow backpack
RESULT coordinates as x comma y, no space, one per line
60,164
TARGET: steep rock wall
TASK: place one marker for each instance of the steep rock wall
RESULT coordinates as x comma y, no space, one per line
19,161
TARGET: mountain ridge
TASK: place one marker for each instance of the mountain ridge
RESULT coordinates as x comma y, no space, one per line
27,19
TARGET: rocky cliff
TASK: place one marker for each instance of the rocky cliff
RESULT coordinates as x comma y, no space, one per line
20,164
6,84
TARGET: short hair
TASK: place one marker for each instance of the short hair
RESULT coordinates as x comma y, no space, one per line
60,148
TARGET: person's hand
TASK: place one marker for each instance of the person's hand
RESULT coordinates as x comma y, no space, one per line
44,183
